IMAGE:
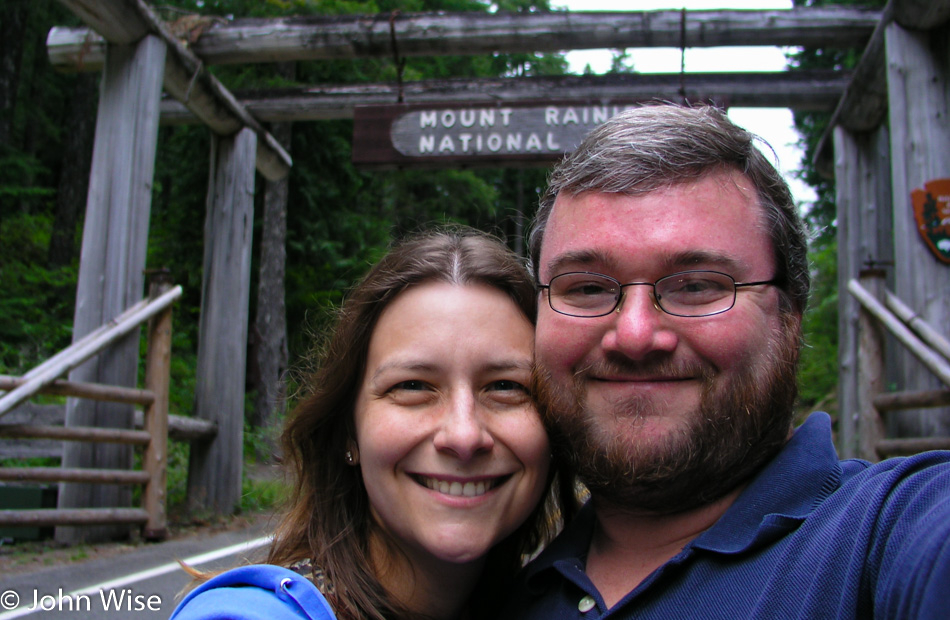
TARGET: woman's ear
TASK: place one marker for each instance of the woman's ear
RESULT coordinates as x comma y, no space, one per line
352,454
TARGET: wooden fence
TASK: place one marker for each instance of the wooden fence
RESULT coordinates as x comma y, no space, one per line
153,437
881,309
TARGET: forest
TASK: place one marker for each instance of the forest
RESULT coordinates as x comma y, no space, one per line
339,218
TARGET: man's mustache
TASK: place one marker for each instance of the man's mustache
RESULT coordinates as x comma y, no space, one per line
616,365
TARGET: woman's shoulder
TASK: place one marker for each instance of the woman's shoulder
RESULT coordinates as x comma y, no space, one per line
260,591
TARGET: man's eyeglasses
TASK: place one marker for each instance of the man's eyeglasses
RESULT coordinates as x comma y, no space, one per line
687,293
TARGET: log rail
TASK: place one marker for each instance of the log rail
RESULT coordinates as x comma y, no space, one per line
154,438
883,309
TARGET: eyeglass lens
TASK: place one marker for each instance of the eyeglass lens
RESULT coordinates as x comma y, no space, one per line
691,293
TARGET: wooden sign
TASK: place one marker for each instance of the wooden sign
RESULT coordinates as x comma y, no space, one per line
533,134
932,212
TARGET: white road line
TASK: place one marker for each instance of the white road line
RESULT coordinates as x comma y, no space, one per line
195,560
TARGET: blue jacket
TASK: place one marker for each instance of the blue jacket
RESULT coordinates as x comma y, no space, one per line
810,537
258,592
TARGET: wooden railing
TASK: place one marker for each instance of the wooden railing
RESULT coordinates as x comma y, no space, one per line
44,379
881,308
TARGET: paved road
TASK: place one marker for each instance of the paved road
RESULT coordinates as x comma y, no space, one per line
142,583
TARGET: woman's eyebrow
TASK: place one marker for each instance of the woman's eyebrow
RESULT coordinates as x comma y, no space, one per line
403,364
527,364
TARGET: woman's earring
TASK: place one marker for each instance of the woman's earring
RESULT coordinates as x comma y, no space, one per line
352,454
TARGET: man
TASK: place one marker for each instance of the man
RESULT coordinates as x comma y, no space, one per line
673,273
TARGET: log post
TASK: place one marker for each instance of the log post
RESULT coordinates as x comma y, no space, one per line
115,237
918,80
862,186
870,371
158,359
214,468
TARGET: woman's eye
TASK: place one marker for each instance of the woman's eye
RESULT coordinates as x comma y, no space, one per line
411,385
507,385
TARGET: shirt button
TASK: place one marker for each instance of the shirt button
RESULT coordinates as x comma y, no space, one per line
587,603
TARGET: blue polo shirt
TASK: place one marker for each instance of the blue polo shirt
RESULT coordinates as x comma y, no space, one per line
811,537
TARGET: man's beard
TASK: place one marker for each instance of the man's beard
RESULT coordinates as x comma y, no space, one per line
741,422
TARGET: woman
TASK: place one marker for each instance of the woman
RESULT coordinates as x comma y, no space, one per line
419,461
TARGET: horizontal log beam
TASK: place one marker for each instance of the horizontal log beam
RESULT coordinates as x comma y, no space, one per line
75,516
186,77
905,447
894,401
863,107
92,391
75,433
805,90
428,34
921,14
60,474
182,428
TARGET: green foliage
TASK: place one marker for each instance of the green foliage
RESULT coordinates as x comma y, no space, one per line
36,307
818,373
262,494
819,365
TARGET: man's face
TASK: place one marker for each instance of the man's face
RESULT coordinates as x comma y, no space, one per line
654,405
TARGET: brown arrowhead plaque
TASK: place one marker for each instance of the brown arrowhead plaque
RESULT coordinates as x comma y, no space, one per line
932,212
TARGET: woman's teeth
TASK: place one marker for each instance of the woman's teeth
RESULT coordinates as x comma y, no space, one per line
459,489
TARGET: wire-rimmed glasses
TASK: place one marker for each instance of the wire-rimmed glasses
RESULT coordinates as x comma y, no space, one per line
686,293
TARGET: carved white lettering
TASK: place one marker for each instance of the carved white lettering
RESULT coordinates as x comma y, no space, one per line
427,119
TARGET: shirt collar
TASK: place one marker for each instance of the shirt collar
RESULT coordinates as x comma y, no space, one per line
779,498
802,475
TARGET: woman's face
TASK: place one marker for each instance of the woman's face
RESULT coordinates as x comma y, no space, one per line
453,454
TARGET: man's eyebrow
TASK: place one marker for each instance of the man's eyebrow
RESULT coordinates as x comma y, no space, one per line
695,258
592,258
580,259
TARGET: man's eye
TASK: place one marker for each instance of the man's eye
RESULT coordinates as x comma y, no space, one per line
697,287
587,289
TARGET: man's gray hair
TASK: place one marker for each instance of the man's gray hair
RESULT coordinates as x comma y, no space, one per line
658,146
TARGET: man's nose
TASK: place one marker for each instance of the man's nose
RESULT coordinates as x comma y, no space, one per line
462,431
639,326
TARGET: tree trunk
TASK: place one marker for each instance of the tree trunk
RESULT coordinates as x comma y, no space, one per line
13,20
271,320
74,175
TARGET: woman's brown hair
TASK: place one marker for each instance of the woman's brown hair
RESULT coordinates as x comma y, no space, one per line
328,520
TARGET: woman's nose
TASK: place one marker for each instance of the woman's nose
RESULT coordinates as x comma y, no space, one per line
462,431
